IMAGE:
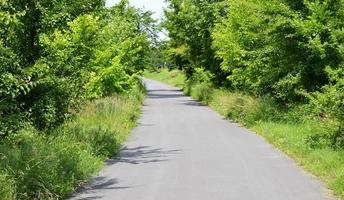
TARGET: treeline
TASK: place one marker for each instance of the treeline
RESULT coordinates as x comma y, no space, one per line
57,57
287,52
55,54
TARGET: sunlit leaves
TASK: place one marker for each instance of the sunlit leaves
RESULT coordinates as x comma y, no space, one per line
55,54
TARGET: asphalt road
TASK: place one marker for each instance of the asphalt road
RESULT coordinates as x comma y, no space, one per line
182,150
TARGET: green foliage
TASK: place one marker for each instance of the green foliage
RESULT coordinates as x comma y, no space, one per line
7,190
199,85
279,64
190,24
109,80
158,57
267,47
38,166
105,123
44,168
54,55
173,77
289,52
329,103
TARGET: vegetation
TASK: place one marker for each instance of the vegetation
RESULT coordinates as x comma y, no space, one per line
173,77
290,52
69,90
57,54
36,165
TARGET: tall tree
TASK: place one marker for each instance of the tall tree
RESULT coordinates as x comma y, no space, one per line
190,24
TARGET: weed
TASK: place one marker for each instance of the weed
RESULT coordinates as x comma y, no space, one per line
34,165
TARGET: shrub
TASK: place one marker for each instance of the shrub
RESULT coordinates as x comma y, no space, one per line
50,166
287,53
7,189
328,104
49,67
270,47
45,168
54,56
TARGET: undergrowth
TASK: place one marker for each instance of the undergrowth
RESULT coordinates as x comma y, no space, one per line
50,165
173,77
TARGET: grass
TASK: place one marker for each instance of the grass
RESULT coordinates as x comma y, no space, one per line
289,130
175,77
36,165
326,163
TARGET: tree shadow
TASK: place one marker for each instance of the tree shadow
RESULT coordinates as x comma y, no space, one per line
145,125
142,155
130,155
165,90
93,188
192,103
164,96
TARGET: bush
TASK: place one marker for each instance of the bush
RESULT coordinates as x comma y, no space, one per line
245,108
7,189
45,168
329,104
280,50
49,67
270,47
39,166
288,53
54,57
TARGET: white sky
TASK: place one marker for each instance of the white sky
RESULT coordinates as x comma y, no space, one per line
155,6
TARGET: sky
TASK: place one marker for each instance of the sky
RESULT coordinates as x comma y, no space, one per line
155,6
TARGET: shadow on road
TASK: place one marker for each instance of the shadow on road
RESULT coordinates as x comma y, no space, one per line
162,90
94,188
142,155
192,103
165,96
130,155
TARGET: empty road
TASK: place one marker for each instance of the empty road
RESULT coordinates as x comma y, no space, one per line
183,150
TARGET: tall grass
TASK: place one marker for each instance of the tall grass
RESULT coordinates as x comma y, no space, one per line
172,77
35,165
292,129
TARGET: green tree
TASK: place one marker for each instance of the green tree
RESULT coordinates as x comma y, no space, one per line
190,24
277,48
51,52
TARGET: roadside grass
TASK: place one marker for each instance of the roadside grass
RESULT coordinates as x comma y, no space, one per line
36,165
175,77
290,130
325,162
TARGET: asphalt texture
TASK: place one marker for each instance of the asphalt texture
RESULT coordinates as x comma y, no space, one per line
182,150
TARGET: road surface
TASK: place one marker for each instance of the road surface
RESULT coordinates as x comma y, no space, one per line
182,150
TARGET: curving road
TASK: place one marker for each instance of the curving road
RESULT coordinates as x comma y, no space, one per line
182,150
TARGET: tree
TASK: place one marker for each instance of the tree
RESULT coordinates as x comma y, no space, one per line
190,24
56,54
